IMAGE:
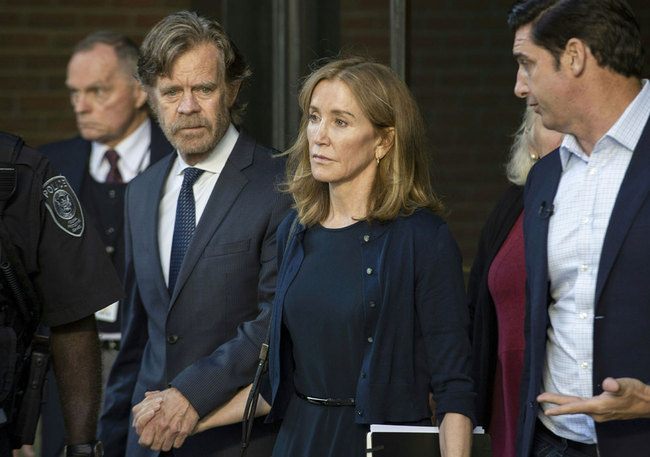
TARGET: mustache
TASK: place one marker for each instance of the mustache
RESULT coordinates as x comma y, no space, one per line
188,122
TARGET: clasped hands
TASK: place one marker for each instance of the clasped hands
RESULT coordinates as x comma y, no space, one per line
622,399
164,419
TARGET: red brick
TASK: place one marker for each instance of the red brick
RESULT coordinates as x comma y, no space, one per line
51,20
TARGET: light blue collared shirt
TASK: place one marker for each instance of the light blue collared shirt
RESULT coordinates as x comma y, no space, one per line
582,208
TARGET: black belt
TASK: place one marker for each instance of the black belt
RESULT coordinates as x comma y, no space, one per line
110,344
590,450
327,401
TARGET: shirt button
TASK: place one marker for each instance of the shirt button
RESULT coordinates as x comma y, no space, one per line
372,304
370,339
366,238
171,338
583,267
369,271
583,315
585,220
584,365
593,171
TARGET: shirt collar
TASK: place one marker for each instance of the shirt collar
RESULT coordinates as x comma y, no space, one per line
214,162
132,149
625,132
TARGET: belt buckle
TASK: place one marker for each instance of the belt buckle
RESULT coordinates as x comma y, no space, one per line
320,401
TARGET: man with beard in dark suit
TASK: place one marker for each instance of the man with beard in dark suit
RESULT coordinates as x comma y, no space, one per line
201,268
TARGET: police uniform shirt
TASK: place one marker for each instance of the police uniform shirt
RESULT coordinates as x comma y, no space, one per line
62,253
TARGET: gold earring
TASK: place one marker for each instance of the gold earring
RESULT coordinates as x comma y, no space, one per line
378,159
533,156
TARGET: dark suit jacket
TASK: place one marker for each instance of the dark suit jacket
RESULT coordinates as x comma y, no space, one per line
70,157
205,339
622,300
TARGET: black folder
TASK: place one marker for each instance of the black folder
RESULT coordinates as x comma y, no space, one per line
411,441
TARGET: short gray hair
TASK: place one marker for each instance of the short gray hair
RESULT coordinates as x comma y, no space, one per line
126,50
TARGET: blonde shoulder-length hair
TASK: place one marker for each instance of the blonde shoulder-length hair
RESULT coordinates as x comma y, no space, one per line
521,160
402,183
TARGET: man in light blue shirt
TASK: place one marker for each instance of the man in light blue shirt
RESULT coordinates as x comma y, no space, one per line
588,311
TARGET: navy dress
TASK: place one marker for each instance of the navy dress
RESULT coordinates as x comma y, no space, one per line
324,315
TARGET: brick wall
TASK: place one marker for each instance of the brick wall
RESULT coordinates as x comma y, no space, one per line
462,73
36,38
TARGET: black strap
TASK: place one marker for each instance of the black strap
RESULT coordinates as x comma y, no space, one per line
10,147
262,365
12,267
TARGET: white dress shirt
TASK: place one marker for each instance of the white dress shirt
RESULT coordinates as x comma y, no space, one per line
582,208
212,166
134,152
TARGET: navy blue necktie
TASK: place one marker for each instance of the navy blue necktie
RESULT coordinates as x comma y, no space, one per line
184,224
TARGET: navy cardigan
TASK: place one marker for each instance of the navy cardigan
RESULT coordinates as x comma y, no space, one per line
416,322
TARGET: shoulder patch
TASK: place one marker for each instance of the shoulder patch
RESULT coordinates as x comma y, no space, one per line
63,205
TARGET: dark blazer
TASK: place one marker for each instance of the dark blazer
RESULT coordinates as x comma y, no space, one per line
204,339
70,157
481,305
622,298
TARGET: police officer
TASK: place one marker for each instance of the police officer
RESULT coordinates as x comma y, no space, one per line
63,259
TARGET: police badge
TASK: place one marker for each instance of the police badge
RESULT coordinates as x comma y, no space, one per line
63,205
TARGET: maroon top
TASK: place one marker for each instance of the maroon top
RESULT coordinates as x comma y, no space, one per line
507,283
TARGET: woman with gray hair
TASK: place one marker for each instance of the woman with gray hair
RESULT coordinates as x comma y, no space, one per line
496,293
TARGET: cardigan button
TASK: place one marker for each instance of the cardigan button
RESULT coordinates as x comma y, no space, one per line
372,304
359,412
369,271
171,338
366,238
370,339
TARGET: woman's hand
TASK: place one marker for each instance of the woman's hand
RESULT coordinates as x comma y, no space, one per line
144,411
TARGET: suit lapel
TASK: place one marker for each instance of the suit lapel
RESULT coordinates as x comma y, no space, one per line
226,190
633,192
79,156
539,209
149,215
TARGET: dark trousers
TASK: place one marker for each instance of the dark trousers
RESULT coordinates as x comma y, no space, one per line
546,444
5,443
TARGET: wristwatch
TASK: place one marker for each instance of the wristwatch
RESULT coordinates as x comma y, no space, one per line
94,449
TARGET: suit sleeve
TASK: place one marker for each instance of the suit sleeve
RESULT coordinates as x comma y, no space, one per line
115,420
212,380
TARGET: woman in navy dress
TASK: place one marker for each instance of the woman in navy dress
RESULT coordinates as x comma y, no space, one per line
369,315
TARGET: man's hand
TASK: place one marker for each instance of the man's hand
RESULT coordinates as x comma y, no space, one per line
164,419
622,399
